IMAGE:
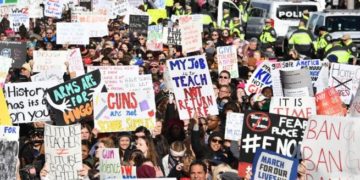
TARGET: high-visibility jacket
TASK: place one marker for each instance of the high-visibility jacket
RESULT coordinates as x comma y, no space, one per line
301,40
342,54
226,21
268,35
321,43
351,48
238,30
169,3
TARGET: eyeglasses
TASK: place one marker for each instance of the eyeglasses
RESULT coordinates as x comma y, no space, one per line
154,67
217,141
223,77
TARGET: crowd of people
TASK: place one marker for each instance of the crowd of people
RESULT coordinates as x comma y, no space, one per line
181,148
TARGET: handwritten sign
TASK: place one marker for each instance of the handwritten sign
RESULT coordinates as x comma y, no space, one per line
110,168
26,101
330,148
354,109
345,79
53,8
227,58
138,24
270,165
50,61
5,118
76,66
9,136
154,38
15,51
301,107
95,23
173,36
18,17
5,64
233,127
328,102
278,133
72,33
71,101
128,172
120,8
190,79
190,33
114,76
259,79
63,151
48,76
296,83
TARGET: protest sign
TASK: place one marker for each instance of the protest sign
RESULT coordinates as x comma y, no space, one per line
330,149
102,7
48,76
322,81
191,81
354,109
5,64
76,66
53,8
72,33
120,8
9,148
15,51
270,165
50,61
190,33
128,172
18,17
233,127
26,101
345,78
227,60
136,3
95,23
138,24
328,102
71,101
63,151
5,118
34,8
114,76
173,36
110,168
8,2
156,14
296,83
259,79
301,107
154,38
160,4
278,133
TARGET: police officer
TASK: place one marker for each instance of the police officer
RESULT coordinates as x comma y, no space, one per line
237,29
338,53
268,35
347,42
178,9
188,10
301,40
305,16
242,8
322,41
226,21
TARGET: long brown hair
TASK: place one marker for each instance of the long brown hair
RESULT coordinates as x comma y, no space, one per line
151,153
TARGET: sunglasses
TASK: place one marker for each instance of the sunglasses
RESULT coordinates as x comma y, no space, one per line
223,77
154,66
217,141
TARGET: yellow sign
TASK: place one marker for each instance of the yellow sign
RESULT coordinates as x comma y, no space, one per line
156,14
5,119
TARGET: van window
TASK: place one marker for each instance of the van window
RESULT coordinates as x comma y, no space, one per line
312,21
234,12
343,23
255,12
293,11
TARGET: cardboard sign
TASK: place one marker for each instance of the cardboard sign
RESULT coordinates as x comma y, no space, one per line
138,24
71,101
72,33
173,36
296,83
259,79
9,136
48,76
63,151
5,118
328,102
128,172
233,127
191,82
53,8
17,17
26,101
354,109
34,10
301,107
190,33
154,38
50,61
227,58
76,65
110,168
120,8
95,23
5,64
330,148
15,51
114,76
270,165
278,133
345,79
